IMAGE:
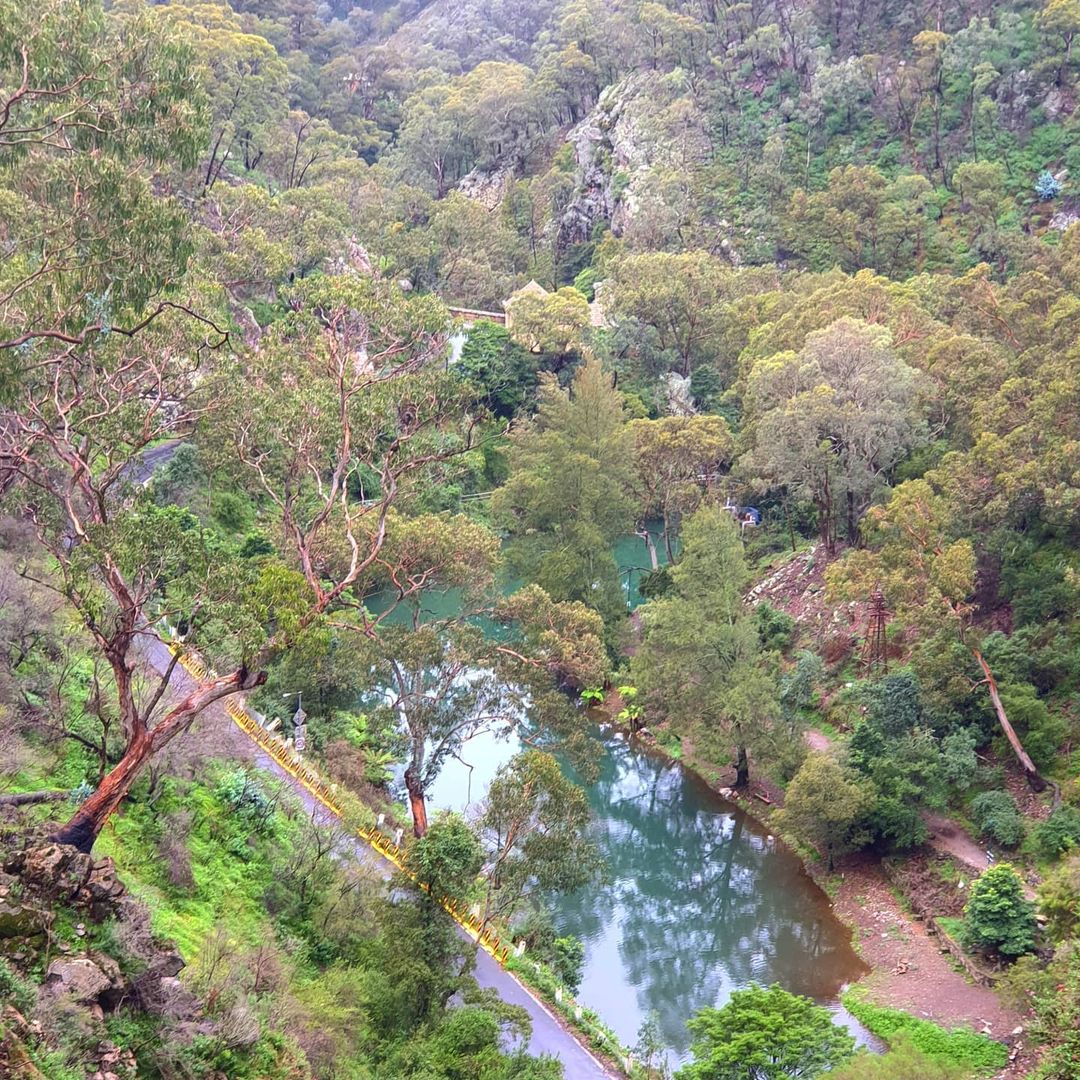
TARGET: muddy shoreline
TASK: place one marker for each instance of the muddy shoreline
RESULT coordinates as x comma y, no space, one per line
907,965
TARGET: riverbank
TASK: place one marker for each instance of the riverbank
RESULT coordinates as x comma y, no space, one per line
909,968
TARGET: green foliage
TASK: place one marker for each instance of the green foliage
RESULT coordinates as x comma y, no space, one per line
997,917
958,1047
1059,834
568,961
231,511
997,817
902,1061
504,372
447,858
1057,1019
824,806
534,830
776,627
244,793
765,1034
1041,730
656,583
1059,899
565,502
730,705
16,990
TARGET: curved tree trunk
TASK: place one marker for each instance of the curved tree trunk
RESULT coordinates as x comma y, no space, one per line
1035,781
143,743
87,822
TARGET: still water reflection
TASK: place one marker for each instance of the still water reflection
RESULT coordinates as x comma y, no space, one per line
699,899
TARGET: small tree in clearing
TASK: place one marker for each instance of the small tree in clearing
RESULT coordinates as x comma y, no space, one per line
823,804
997,918
765,1034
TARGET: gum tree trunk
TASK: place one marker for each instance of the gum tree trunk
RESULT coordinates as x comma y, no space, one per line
1034,779
416,802
143,743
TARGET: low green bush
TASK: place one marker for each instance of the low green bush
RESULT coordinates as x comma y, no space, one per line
958,1046
997,818
1059,834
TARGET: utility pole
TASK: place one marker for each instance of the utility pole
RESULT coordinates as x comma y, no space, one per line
874,650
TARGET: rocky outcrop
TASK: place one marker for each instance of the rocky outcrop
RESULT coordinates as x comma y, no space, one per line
487,186
23,920
50,876
78,979
643,129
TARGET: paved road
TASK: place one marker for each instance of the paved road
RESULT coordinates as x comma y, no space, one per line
548,1035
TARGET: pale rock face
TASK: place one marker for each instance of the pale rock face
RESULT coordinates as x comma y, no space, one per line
678,400
487,187
643,130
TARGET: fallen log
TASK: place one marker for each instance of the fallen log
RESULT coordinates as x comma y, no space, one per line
29,798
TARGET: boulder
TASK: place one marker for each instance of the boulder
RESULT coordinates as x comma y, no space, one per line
79,979
102,890
22,920
56,870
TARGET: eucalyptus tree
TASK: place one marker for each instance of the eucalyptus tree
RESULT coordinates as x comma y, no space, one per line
110,347
567,499
700,665
678,460
830,422
534,826
492,664
334,421
928,572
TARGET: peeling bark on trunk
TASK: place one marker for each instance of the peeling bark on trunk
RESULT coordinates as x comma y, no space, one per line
143,743
416,803
87,822
1035,781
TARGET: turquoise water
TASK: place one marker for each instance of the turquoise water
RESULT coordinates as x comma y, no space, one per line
699,899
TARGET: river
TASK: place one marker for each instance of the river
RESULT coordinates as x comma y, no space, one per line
698,900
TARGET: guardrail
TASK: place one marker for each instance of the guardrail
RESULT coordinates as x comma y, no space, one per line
326,793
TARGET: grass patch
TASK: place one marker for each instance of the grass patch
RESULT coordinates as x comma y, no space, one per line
952,926
231,877
669,742
958,1046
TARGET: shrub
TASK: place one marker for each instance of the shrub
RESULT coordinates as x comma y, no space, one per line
904,1061
254,809
775,628
1059,899
1059,834
768,1033
20,993
1040,730
232,511
997,918
568,960
1047,186
997,817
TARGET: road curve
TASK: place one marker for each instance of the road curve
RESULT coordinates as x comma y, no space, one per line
548,1035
